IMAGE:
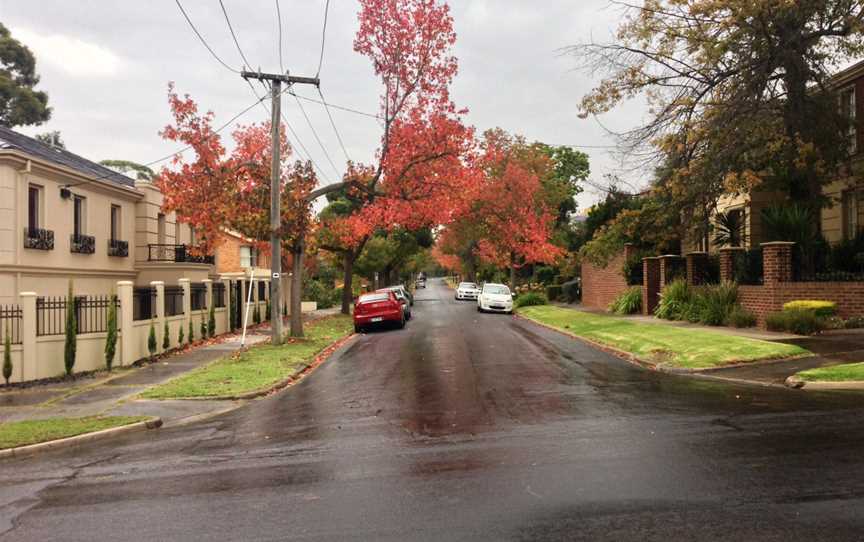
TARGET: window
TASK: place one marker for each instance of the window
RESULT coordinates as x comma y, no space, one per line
160,229
34,199
736,223
177,232
191,236
79,206
847,110
248,256
116,228
850,214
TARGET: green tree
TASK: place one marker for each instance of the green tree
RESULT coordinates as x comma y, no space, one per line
180,337
166,337
7,355
51,138
211,321
20,103
191,332
142,172
111,339
151,340
71,344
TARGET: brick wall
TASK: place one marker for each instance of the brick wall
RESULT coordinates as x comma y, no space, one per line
228,255
601,285
762,300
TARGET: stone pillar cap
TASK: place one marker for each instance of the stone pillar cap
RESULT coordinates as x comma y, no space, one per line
157,283
205,280
671,256
125,283
732,248
777,244
183,280
27,294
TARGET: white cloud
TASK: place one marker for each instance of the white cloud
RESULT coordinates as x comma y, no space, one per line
72,56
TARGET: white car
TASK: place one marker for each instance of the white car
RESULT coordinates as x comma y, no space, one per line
467,290
495,298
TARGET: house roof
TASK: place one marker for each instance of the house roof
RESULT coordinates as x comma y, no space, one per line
10,139
848,75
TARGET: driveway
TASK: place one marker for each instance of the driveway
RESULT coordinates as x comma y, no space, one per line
467,426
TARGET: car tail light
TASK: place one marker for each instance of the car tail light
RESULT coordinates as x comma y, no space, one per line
360,307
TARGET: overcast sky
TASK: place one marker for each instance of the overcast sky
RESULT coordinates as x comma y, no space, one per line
106,65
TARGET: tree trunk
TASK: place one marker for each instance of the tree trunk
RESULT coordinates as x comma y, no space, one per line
348,278
297,290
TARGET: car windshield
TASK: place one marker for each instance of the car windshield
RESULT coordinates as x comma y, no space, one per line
467,285
496,289
371,298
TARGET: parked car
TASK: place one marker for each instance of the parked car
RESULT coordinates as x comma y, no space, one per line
467,290
420,283
403,300
378,308
403,289
495,298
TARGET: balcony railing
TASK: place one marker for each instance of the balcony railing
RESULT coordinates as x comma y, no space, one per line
118,248
176,254
82,244
38,238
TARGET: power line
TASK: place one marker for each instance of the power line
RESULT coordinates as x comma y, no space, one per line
203,41
334,106
333,124
233,35
279,18
315,134
323,37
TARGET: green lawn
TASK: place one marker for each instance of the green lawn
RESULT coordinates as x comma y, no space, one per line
837,373
257,368
14,434
660,343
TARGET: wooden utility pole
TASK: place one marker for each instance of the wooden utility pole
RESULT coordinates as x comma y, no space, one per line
276,81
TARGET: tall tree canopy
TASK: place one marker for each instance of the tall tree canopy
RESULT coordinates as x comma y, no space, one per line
20,103
739,91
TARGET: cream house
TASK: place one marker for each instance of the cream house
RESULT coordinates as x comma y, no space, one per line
843,219
63,216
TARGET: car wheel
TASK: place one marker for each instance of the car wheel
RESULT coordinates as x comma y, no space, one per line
358,329
402,322
479,308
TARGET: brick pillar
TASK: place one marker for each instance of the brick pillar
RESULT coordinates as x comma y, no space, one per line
159,323
777,261
667,261
697,263
650,284
29,371
125,320
728,255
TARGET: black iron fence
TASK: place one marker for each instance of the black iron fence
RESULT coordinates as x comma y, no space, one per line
173,300
10,323
707,271
176,254
219,295
118,248
198,293
143,303
38,238
91,314
747,267
676,268
82,244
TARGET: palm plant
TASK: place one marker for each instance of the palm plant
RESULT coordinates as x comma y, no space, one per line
730,229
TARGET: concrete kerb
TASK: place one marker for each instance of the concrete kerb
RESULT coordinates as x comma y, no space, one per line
796,382
77,440
696,372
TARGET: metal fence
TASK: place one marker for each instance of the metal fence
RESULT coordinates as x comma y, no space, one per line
820,267
143,303
747,268
173,300
219,295
10,322
91,314
198,293
708,272
676,268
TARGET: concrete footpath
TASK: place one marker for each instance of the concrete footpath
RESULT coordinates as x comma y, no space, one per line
115,394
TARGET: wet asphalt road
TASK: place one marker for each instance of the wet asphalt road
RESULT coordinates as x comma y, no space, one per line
467,427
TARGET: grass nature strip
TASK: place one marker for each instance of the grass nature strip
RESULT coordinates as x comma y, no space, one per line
23,433
660,343
846,372
257,368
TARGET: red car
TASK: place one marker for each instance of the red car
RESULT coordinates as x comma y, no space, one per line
378,308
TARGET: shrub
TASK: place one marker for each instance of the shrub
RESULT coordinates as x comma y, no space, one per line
7,356
180,336
531,299
166,337
151,340
111,338
740,317
256,315
203,328
628,302
71,346
716,302
854,322
571,291
267,310
800,322
546,274
191,332
553,292
211,321
819,308
674,300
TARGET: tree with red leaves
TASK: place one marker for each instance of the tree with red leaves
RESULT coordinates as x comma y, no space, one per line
420,170
219,190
